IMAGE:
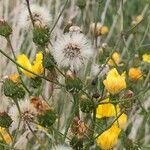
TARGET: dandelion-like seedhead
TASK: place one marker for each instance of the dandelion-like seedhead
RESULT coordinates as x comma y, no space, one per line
28,113
41,16
72,50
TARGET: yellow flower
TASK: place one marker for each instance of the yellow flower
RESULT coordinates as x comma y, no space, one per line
15,77
137,19
114,82
146,58
36,68
135,73
104,30
115,59
5,135
106,110
108,139
121,121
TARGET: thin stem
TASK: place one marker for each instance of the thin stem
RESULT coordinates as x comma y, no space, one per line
30,13
11,47
109,125
39,141
59,16
43,77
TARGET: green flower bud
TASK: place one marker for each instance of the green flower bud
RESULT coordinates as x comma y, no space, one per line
76,143
81,4
41,35
86,105
13,90
36,82
73,85
5,29
48,61
5,120
47,118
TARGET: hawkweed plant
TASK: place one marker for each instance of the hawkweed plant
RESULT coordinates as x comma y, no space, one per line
74,75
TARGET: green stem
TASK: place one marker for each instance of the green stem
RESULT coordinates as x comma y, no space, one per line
39,141
11,47
30,13
43,77
59,16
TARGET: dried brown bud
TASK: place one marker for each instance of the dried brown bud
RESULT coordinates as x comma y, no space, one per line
79,128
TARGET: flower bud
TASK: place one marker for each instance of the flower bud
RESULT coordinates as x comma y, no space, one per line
70,74
79,128
75,29
73,85
76,143
36,82
47,118
48,61
68,25
41,35
13,90
86,105
5,29
81,4
5,120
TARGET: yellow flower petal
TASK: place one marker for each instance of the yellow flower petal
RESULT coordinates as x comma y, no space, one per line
37,66
106,110
146,58
115,59
108,139
114,82
121,121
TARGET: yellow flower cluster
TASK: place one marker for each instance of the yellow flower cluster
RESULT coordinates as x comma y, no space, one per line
36,67
108,139
114,82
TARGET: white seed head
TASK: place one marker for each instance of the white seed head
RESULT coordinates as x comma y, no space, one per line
72,50
28,113
40,15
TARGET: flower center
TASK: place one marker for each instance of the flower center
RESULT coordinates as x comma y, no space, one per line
27,116
71,50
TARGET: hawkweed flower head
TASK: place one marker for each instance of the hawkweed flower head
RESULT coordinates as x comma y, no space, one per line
146,58
36,67
109,138
72,51
107,109
114,82
41,16
28,114
115,60
135,74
